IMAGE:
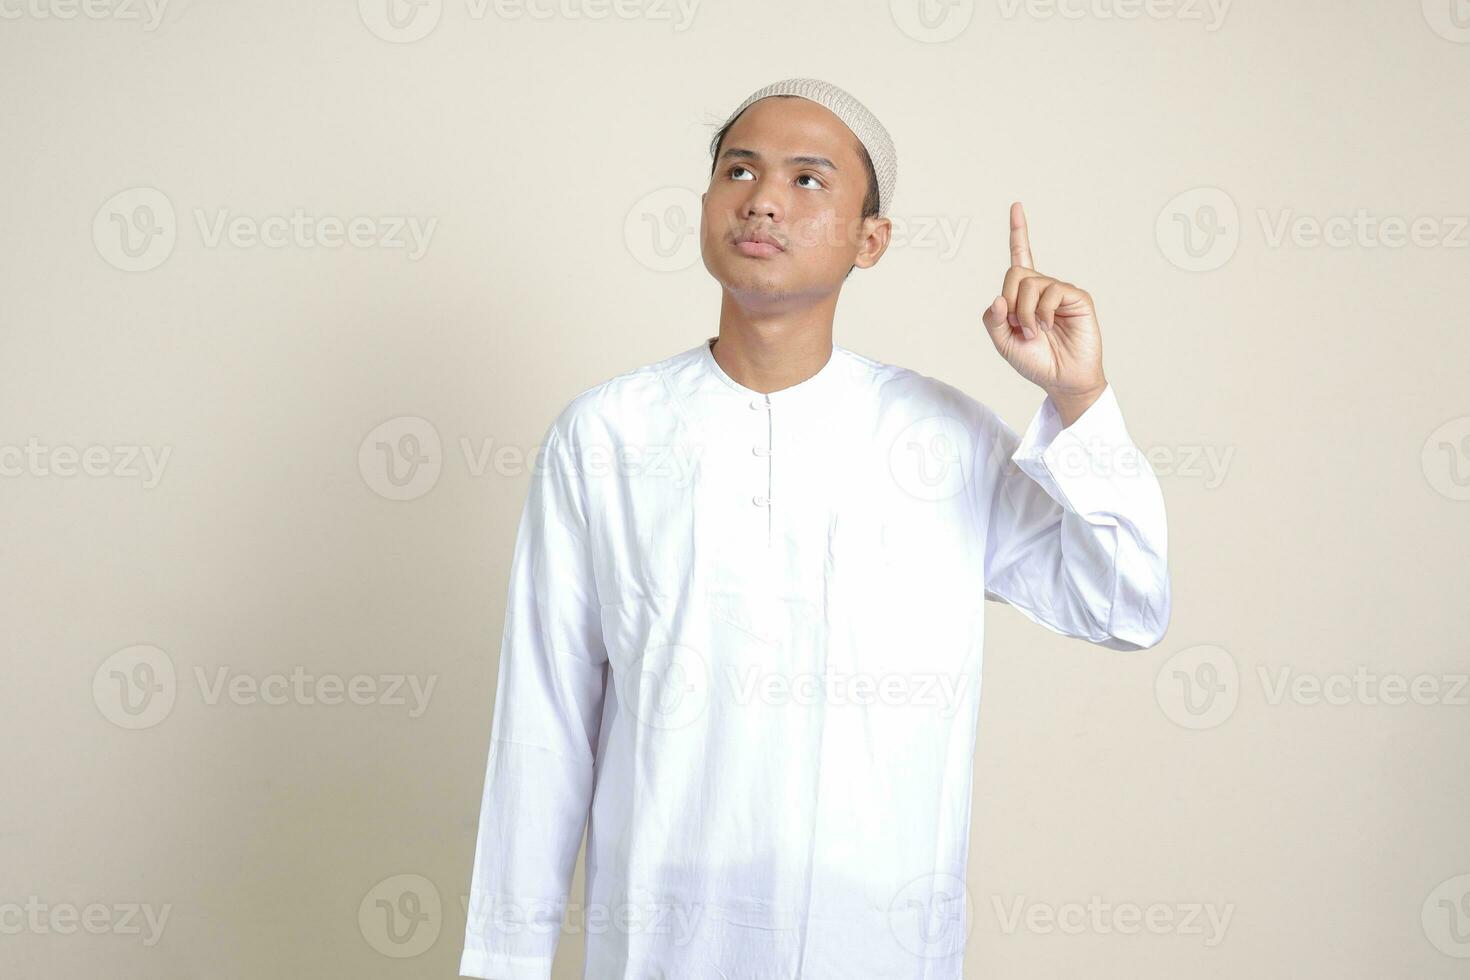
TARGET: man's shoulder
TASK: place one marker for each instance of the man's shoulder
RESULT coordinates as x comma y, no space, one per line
908,392
614,400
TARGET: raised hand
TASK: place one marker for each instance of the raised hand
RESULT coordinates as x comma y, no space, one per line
1047,329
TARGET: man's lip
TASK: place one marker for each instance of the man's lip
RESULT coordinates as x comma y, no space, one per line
760,237
750,247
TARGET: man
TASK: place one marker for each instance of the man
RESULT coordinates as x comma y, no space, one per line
743,638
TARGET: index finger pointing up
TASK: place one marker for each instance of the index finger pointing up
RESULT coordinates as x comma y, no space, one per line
1020,238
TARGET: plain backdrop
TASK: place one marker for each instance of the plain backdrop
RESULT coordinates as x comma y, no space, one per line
248,684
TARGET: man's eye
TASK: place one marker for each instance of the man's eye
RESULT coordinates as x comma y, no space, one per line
737,169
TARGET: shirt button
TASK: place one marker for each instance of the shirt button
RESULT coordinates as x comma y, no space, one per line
758,403
760,450
760,501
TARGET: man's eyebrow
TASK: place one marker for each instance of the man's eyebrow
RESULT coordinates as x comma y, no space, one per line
740,153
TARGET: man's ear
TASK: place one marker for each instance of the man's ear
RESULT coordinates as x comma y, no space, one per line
876,234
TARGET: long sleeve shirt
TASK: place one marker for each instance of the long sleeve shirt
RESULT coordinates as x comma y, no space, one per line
742,649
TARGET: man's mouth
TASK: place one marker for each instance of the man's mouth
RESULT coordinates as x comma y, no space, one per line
758,243
757,248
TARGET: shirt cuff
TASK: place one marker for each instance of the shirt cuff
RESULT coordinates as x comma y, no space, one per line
499,966
1081,466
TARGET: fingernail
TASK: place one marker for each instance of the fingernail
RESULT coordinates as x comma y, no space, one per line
1043,324
1027,333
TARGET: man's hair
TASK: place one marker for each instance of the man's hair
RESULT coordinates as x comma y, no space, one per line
870,200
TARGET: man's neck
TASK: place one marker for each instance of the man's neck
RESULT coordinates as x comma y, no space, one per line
769,358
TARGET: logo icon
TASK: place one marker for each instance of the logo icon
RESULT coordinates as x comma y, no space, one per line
135,688
1446,459
400,916
401,21
932,21
1450,19
1446,917
661,230
932,917
932,458
1199,230
402,458
668,688
135,230
1198,687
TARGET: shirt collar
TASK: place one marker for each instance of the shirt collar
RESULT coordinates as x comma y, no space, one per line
819,389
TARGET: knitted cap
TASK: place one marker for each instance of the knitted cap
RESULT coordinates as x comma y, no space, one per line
864,125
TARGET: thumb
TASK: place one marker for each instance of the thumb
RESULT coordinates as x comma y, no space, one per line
996,323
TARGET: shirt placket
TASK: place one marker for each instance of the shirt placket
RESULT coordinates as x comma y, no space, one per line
761,447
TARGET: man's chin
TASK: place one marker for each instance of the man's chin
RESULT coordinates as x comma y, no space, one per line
756,286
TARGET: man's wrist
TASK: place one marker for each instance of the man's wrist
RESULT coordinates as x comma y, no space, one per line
1071,404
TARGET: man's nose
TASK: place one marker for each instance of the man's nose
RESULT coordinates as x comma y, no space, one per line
764,202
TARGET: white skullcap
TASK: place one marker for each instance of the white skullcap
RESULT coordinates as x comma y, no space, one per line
864,125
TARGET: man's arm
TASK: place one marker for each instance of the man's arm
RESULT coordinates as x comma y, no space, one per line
1077,537
543,740
1076,533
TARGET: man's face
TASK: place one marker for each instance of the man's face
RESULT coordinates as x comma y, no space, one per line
791,171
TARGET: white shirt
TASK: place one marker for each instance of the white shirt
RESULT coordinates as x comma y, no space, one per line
743,646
